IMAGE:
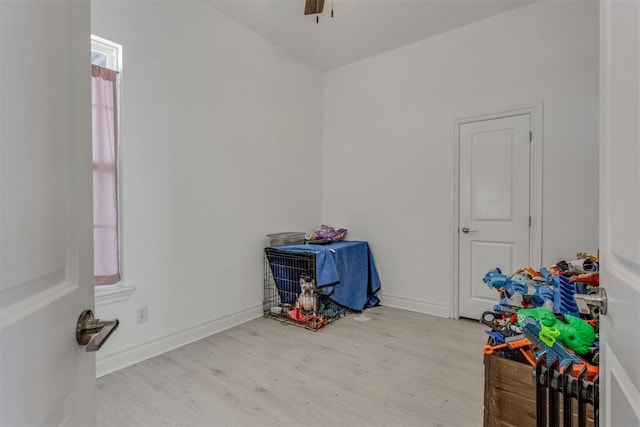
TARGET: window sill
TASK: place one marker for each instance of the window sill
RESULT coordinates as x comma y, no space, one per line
113,295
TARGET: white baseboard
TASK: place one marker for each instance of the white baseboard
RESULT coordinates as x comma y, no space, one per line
411,304
136,354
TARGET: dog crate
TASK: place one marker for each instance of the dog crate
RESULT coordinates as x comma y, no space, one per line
282,273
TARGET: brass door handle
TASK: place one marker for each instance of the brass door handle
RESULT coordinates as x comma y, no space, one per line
94,332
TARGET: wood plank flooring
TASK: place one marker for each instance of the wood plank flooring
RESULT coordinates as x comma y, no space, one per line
398,368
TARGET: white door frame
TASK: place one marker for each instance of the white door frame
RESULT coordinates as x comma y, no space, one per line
535,190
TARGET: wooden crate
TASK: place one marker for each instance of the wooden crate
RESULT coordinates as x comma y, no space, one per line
510,394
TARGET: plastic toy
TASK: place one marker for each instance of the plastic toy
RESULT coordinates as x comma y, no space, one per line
517,342
591,279
501,323
576,335
495,336
495,279
543,306
563,295
532,331
520,287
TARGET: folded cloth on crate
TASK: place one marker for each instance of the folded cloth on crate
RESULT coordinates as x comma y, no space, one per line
351,264
327,233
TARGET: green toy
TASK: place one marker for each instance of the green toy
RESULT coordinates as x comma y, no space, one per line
576,335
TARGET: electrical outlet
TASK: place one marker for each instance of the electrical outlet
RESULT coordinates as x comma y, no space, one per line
143,314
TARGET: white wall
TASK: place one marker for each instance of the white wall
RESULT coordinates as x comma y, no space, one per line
220,144
389,139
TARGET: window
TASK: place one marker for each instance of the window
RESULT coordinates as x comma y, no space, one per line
106,54
106,62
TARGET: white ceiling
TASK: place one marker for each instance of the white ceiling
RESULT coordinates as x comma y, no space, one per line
359,28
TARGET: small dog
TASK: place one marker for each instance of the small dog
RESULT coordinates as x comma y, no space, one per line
308,298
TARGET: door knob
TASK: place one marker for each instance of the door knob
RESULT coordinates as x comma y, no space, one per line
598,300
467,230
94,332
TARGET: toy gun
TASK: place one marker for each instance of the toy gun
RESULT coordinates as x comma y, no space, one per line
592,279
532,331
501,324
576,266
517,342
576,335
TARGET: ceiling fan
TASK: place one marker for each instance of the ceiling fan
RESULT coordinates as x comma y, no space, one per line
314,7
311,7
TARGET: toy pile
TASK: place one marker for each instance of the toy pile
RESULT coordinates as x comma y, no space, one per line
539,312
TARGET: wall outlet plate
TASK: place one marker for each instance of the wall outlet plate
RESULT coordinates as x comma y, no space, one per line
143,314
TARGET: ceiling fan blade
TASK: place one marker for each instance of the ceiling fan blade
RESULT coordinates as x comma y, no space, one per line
312,7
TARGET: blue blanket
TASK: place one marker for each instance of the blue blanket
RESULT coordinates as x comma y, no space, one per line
351,264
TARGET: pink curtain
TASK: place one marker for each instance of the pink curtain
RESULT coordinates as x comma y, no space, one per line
105,184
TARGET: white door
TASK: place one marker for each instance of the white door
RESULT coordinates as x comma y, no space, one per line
494,206
46,276
620,212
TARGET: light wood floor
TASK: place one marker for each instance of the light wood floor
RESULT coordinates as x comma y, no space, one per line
397,369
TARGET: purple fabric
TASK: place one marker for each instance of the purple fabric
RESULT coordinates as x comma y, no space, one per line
328,233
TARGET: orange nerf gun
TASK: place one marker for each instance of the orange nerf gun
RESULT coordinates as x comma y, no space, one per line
518,342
